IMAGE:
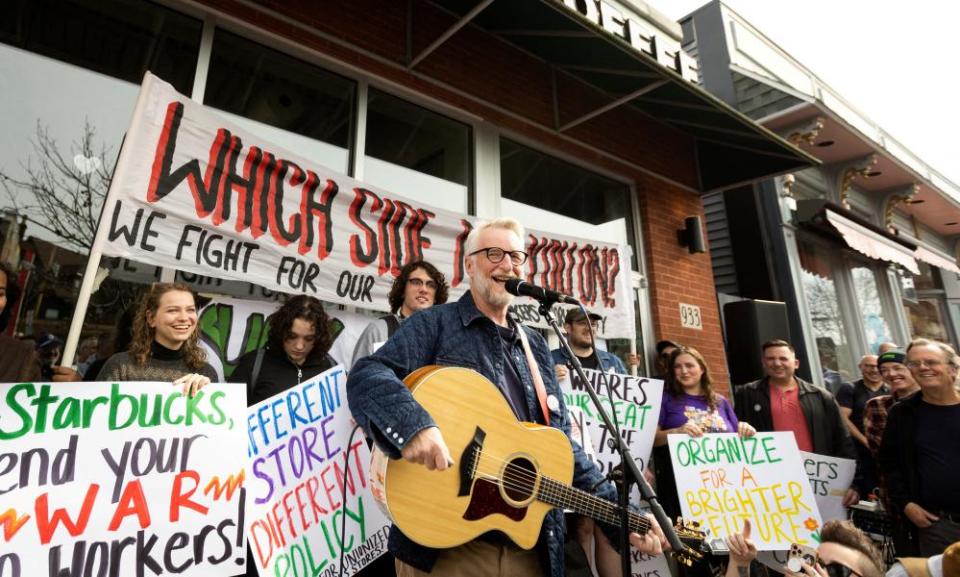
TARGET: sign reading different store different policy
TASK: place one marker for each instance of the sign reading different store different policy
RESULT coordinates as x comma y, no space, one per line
310,503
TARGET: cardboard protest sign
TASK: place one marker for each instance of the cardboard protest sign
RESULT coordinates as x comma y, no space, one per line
633,402
830,477
121,479
308,480
192,191
635,407
723,479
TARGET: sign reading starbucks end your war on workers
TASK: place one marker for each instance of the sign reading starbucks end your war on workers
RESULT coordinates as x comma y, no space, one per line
121,479
723,479
310,504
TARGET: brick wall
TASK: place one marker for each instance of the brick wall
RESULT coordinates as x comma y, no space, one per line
487,77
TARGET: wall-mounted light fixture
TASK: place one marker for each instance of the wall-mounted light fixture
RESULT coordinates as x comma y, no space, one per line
691,235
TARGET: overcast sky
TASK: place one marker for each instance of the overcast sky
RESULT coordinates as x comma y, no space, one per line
895,62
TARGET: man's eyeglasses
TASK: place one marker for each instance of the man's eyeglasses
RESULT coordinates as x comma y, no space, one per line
933,364
419,282
495,255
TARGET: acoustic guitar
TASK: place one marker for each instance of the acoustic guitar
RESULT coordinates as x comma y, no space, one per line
507,474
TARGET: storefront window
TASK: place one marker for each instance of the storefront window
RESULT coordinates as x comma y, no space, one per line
928,279
288,102
925,305
120,39
867,291
418,153
927,319
553,195
818,271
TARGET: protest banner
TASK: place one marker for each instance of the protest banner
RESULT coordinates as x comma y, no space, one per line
830,477
196,193
634,403
121,479
723,478
310,506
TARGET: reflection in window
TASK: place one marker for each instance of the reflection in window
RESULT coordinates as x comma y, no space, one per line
116,38
928,279
556,196
871,308
927,319
823,304
277,90
417,153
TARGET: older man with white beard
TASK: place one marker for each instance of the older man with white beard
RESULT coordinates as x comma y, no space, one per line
473,332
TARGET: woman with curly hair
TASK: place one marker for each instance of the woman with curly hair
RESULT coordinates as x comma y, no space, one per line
689,406
297,346
166,342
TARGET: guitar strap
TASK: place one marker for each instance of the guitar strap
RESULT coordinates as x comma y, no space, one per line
535,373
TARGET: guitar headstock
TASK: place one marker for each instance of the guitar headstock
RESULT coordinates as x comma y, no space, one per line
692,536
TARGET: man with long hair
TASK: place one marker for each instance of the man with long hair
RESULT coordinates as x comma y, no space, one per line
418,286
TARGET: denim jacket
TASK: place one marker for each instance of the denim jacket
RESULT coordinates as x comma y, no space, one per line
455,334
609,361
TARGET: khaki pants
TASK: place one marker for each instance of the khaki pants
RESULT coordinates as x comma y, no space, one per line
480,559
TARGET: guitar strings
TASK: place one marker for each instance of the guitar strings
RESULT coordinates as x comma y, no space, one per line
521,479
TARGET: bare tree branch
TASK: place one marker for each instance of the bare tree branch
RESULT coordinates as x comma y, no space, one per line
62,193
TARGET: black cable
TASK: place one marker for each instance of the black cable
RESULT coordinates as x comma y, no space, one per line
343,496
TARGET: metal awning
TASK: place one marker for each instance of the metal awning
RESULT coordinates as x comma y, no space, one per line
731,149
936,259
860,235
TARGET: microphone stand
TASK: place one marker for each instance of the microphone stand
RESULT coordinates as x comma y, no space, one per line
631,473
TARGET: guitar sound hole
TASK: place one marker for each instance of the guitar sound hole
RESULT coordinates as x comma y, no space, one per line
519,477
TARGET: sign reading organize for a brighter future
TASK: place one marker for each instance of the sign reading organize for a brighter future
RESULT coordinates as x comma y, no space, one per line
121,479
723,479
307,479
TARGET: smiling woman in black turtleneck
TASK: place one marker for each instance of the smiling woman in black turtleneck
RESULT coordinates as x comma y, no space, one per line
165,344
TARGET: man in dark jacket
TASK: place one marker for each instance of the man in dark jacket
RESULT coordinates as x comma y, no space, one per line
920,454
781,401
473,332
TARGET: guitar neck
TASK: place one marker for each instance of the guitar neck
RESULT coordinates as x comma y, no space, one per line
558,494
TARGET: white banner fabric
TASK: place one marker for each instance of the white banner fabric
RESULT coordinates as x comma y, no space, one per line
197,193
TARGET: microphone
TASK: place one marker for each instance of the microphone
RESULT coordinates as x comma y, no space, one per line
520,288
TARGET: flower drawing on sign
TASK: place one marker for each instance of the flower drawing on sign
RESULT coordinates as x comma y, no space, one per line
811,524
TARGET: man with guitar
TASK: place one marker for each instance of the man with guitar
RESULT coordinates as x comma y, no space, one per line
476,333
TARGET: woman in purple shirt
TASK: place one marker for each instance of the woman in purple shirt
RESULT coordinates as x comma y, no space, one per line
690,406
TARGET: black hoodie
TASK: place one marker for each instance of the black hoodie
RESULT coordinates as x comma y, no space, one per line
277,373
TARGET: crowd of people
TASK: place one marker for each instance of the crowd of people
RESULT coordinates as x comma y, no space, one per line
900,421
